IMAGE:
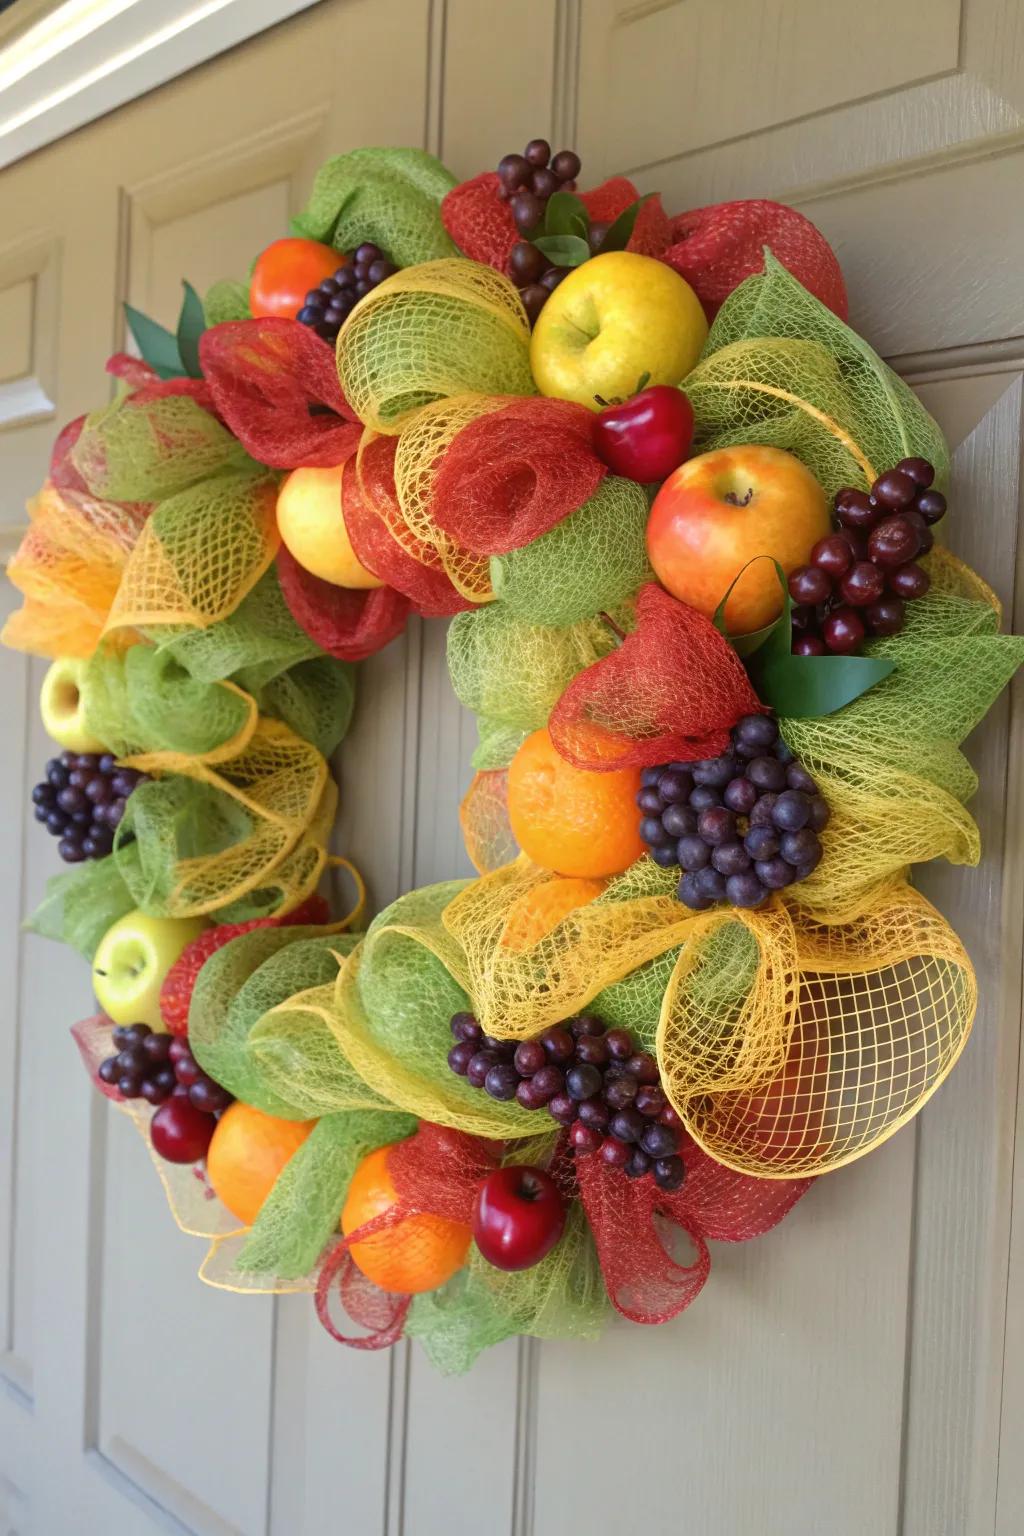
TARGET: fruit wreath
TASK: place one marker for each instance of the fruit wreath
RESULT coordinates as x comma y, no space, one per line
683,522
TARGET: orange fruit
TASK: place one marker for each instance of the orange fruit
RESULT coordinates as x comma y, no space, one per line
284,273
419,1253
247,1153
572,820
535,913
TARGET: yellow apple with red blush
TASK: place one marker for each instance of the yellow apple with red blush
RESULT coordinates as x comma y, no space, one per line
311,523
721,510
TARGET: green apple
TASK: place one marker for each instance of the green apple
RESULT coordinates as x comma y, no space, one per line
131,961
61,704
615,323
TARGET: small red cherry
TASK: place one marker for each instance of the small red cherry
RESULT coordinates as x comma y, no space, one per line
646,437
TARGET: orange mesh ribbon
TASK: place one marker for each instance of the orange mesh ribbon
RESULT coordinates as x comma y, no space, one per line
672,691
275,384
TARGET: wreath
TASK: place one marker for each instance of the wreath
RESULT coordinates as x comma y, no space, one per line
682,520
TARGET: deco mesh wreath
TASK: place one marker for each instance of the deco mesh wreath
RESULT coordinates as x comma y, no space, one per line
721,671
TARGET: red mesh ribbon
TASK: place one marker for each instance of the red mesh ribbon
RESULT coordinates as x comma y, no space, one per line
369,504
515,473
633,1220
671,692
62,468
342,621
483,228
715,248
146,384
275,384
435,1171
93,1038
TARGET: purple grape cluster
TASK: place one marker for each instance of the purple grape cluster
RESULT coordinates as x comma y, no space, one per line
328,307
150,1065
82,801
591,1079
740,825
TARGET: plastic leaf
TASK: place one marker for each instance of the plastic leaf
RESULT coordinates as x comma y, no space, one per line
566,215
159,348
191,325
564,250
618,236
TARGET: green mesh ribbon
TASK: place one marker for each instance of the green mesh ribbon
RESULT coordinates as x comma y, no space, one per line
130,453
303,1210
592,561
390,196
143,700
226,300
81,905
497,743
514,673
780,369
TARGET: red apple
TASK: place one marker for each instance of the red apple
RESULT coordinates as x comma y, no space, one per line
647,436
518,1216
179,1132
721,510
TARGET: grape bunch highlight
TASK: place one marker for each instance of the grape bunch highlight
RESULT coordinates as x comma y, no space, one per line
591,1079
328,306
527,182
859,579
82,801
739,826
150,1065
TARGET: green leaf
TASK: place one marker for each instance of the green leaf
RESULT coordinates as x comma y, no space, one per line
157,345
566,215
798,687
617,237
564,250
191,325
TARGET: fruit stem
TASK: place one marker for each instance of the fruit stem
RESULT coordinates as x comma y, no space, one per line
620,634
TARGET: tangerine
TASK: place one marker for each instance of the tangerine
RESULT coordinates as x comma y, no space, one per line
534,914
576,821
417,1254
286,271
247,1153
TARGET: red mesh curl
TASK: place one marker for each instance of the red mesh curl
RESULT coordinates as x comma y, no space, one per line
716,247
275,385
515,473
635,1225
435,1171
146,384
94,1038
369,505
479,222
652,232
62,468
346,623
671,692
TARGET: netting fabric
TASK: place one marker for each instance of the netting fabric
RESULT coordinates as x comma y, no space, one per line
389,196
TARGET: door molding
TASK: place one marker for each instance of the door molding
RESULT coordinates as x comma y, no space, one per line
82,58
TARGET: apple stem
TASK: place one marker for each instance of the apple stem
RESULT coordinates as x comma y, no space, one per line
620,634
734,500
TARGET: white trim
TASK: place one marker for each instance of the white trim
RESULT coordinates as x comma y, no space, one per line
89,56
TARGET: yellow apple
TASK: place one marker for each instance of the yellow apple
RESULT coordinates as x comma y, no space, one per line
131,961
61,706
312,527
611,321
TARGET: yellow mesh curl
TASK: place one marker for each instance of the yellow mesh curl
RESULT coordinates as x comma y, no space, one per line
282,785
199,554
68,568
517,992
881,1009
444,328
421,446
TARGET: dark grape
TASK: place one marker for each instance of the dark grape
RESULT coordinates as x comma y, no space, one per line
566,165
583,1138
886,617
544,182
526,263
715,772
592,1050
479,1066
527,210
855,509
552,277
729,858
582,1081
513,171
775,873
620,1092
549,1081
659,1140
653,832
669,1173
558,1043
767,773
460,1056
894,489
762,842
530,1056
528,1097
843,631
650,801
692,851
801,848
465,1027
674,785
931,505
740,795
810,584
716,825
925,537
808,645
501,1081
679,820
756,731
533,297
596,233
863,583
833,554
791,811
710,883
627,1125
909,581
619,1043
638,1164
614,1152
702,797
595,1113
761,815
745,890
650,1100
642,1067
919,470
894,541
537,152
563,1108
665,858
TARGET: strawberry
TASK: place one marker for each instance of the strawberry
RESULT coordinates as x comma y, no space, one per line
176,992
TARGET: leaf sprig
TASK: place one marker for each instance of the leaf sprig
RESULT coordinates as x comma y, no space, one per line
563,235
171,354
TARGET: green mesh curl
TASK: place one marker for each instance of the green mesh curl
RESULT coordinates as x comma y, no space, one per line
316,698
634,1003
514,673
226,300
497,743
237,986
390,196
255,643
81,905
561,1297
777,362
142,700
594,559
173,819
150,452
292,1048
302,1212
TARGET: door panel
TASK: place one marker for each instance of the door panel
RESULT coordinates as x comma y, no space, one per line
845,1373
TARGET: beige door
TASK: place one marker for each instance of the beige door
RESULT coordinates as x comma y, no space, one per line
860,1372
